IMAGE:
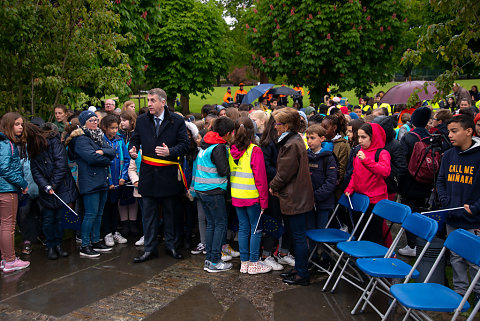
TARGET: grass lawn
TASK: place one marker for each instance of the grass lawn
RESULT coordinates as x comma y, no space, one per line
196,102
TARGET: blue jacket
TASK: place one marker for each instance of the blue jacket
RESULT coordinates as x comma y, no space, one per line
324,175
50,168
458,184
11,174
92,167
27,174
119,165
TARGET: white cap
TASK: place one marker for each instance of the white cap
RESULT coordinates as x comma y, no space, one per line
92,109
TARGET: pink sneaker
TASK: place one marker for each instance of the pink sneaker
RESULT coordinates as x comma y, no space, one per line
258,267
15,265
244,267
2,265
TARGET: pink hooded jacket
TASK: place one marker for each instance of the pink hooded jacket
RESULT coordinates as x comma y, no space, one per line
259,174
369,176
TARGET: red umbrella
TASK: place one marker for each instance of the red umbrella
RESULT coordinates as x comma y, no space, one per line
399,94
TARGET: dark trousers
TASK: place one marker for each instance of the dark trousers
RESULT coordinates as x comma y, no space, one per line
28,218
110,216
172,218
269,241
298,226
52,226
417,205
374,232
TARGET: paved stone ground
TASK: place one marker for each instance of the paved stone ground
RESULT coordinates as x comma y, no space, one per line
113,288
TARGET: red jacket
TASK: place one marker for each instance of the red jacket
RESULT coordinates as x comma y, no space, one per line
369,176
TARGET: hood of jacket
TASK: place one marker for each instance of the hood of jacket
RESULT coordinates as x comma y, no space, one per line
236,153
3,136
312,156
378,138
472,149
76,133
213,138
388,126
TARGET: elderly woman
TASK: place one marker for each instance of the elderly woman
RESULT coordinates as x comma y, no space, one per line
93,156
293,186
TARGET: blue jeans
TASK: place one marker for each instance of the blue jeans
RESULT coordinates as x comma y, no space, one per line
298,224
93,203
216,213
247,221
318,219
52,226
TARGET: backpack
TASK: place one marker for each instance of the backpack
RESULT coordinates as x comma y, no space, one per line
422,166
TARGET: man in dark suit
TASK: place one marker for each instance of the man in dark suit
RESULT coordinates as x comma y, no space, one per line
163,138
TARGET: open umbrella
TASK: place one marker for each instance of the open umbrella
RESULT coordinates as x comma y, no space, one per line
256,92
287,91
399,94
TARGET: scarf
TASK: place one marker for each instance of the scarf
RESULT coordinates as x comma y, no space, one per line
96,135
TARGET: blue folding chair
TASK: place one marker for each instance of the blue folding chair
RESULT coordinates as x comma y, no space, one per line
380,269
389,210
436,297
326,236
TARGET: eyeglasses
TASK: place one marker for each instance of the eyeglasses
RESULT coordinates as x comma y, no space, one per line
279,124
93,120
109,104
436,119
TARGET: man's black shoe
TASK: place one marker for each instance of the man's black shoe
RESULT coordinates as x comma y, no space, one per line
52,254
60,251
174,254
288,274
144,257
296,280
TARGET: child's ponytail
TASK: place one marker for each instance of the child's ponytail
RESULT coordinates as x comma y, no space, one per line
244,133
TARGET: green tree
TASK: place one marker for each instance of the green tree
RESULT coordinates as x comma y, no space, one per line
455,41
187,52
61,51
138,20
350,44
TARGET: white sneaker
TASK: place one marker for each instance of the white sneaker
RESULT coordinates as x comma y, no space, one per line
141,241
270,261
225,257
258,268
287,259
228,250
244,266
117,237
109,240
408,251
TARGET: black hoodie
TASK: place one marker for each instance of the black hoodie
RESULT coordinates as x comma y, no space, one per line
397,161
459,184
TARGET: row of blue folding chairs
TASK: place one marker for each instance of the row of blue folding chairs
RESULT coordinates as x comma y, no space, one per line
378,263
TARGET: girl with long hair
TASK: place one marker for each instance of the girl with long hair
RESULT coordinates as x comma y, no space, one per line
11,183
249,188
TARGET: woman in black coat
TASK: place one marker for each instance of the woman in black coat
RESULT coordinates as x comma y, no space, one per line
50,171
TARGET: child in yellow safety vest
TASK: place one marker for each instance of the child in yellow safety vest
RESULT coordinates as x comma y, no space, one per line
249,189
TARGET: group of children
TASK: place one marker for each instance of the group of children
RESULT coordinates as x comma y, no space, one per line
231,163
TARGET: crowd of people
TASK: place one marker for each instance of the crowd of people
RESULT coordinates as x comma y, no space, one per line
229,170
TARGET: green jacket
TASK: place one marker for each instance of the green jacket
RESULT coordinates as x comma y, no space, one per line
11,172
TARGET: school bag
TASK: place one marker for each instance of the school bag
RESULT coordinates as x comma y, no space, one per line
422,165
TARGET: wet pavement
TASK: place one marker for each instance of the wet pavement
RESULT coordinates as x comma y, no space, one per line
113,288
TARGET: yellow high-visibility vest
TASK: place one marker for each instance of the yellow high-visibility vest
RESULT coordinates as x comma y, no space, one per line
241,176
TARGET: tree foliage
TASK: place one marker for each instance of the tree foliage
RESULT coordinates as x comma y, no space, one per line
187,51
138,20
349,44
63,51
454,40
